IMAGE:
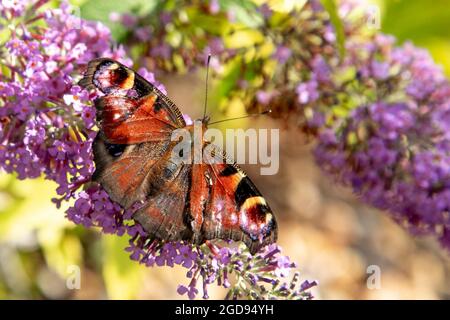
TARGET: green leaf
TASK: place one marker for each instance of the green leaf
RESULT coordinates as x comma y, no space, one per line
230,79
100,11
331,7
416,20
123,277
423,23
243,38
215,25
244,11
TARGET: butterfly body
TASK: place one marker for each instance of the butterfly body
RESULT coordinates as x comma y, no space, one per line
136,161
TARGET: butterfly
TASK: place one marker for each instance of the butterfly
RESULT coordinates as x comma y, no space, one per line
133,155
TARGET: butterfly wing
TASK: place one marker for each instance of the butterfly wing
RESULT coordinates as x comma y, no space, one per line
122,169
132,110
210,200
227,205
132,148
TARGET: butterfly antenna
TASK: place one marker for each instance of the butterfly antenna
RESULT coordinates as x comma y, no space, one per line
243,117
206,86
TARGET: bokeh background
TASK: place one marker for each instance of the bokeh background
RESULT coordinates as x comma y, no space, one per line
332,236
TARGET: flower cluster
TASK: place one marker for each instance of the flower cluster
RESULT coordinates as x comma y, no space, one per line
256,276
380,117
394,149
47,128
178,36
261,56
46,121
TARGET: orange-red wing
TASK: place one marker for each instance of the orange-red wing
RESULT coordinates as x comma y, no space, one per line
132,109
234,208
129,121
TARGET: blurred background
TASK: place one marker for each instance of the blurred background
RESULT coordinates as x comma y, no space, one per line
324,228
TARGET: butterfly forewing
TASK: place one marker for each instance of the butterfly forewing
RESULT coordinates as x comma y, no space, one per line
132,109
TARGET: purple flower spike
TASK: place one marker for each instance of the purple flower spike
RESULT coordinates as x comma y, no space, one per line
396,154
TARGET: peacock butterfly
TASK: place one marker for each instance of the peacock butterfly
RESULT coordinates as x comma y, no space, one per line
133,157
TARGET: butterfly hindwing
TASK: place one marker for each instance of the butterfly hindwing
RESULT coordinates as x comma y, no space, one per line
235,209
164,214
